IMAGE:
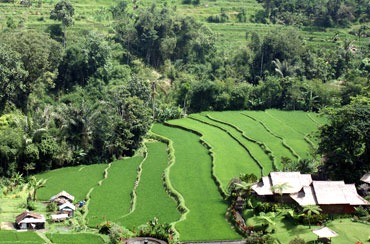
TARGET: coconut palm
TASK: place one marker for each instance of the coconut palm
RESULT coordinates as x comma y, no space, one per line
309,209
280,188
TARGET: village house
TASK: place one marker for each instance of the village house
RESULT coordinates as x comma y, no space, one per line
333,197
67,208
29,221
290,182
62,197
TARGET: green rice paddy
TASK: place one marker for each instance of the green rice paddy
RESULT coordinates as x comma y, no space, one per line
152,200
14,237
79,238
191,176
112,199
77,181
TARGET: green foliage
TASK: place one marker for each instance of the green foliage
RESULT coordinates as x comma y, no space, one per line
52,207
63,11
297,240
104,228
266,207
344,141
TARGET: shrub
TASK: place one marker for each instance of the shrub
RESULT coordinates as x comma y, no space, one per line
314,219
297,240
361,212
105,227
266,207
51,207
31,205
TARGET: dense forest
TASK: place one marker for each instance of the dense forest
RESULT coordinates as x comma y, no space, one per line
92,99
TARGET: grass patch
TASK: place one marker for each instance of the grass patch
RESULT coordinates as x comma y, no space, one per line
74,180
111,199
152,200
9,236
226,165
80,238
191,176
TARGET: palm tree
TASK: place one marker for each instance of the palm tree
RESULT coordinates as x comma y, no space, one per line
35,184
309,209
266,219
280,188
284,68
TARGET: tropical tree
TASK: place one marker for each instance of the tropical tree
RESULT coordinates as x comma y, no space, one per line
309,210
63,11
266,219
35,185
280,188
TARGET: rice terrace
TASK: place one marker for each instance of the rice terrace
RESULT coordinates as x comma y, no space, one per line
182,176
184,122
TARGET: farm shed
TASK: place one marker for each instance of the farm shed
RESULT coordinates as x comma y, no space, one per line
29,221
62,197
67,208
59,217
293,181
333,197
366,178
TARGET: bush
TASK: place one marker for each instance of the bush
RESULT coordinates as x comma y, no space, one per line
31,205
266,207
361,212
297,240
105,227
51,207
314,219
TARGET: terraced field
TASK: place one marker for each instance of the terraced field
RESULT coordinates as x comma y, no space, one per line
77,181
80,238
184,175
191,176
13,237
151,198
112,199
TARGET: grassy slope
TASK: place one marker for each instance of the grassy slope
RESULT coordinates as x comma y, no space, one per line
112,199
293,138
75,180
152,199
13,237
80,238
227,165
191,176
256,131
254,149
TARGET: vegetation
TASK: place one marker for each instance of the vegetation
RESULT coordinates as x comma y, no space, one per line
7,236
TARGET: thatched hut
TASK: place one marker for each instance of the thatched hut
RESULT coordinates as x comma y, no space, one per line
62,197
333,197
30,221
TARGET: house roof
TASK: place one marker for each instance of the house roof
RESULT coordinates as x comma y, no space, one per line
59,216
328,192
67,205
305,197
325,232
294,181
62,194
366,178
29,217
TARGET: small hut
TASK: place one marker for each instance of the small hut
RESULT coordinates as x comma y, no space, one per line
30,221
67,208
324,234
59,217
366,178
62,197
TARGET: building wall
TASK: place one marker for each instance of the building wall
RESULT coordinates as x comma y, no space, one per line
337,208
